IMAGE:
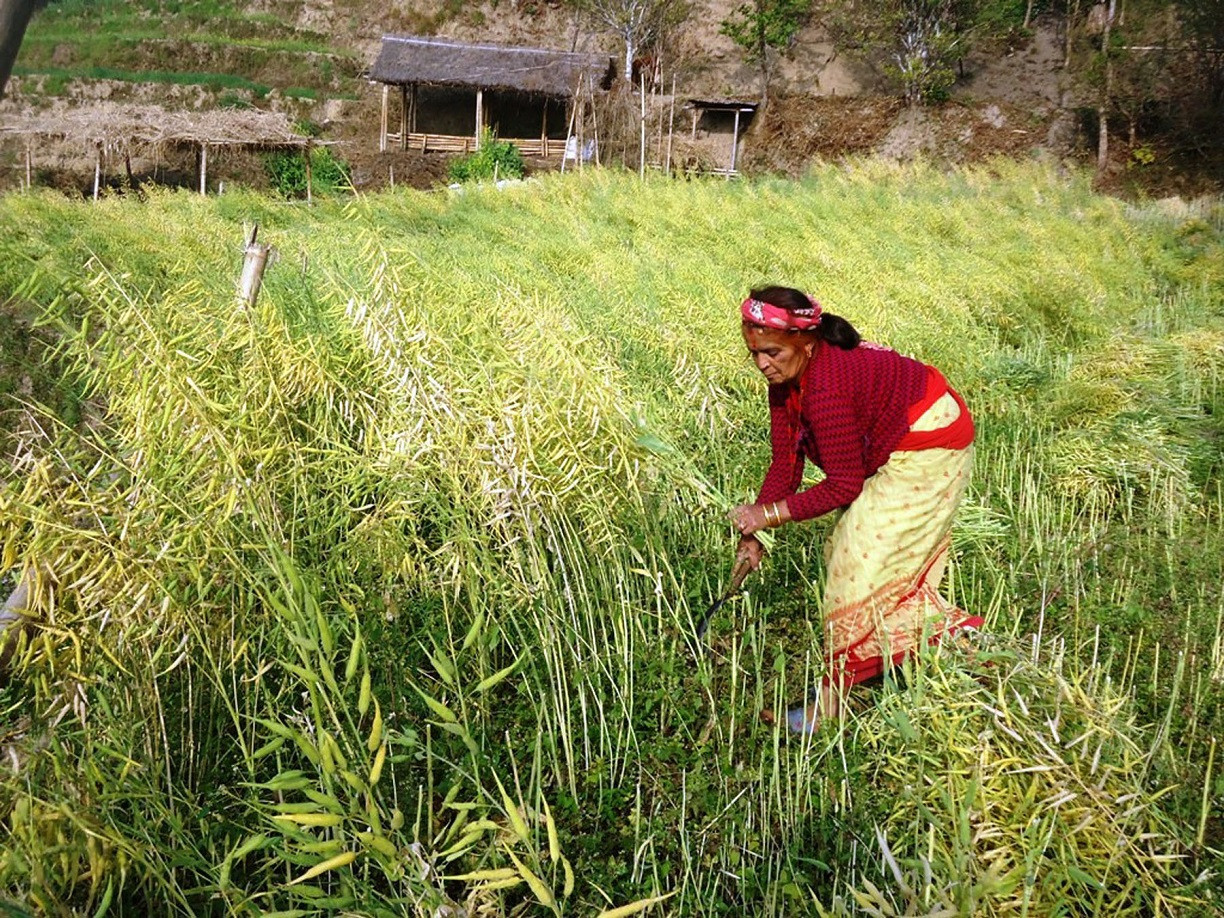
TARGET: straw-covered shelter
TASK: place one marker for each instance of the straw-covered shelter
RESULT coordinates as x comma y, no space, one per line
719,117
451,91
111,131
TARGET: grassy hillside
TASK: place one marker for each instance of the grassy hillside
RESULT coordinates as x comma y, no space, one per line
380,596
230,49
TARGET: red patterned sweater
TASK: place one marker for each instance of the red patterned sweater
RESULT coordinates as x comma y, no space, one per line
853,415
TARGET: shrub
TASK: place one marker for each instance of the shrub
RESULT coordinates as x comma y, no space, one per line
286,170
495,159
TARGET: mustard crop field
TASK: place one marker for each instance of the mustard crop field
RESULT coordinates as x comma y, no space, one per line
379,598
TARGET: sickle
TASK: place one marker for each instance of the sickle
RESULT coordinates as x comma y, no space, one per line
738,573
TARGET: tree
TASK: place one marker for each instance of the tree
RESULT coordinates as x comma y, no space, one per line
14,17
1203,21
640,24
1121,53
764,28
919,40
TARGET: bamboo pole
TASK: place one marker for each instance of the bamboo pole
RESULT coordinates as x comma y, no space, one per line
412,101
29,167
671,124
12,614
734,144
658,160
581,133
569,131
203,168
382,121
309,183
254,263
642,124
403,117
594,117
97,170
479,114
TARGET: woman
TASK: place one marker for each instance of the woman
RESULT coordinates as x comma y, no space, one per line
895,444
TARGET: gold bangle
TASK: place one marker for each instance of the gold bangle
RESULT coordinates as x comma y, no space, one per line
772,517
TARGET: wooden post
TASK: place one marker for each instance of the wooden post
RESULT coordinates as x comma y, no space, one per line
203,168
97,170
544,130
255,261
29,167
127,165
694,134
412,103
479,115
382,123
403,117
671,123
734,143
309,190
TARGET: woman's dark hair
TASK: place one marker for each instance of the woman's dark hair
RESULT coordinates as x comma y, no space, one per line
833,329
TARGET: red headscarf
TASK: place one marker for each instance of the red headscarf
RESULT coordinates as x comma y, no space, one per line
767,315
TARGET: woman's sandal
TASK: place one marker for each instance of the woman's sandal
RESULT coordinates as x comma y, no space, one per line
798,720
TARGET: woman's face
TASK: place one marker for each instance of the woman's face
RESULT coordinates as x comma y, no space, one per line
781,356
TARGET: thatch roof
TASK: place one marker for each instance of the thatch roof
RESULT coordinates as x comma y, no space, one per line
407,59
118,128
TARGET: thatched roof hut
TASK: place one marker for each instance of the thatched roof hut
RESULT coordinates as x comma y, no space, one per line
450,92
119,128
723,116
110,129
407,59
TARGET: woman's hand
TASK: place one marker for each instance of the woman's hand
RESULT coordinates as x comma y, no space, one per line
750,550
748,518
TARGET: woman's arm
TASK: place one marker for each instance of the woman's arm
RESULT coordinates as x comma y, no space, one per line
785,472
839,444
